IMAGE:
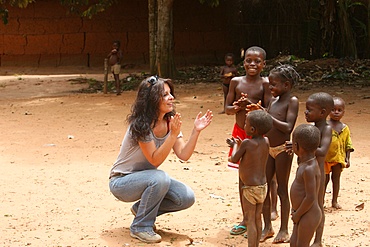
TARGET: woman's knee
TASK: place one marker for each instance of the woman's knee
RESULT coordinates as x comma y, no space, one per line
160,179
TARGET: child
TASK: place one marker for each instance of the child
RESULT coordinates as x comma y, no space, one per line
283,109
253,154
338,156
228,71
306,212
255,88
318,107
114,60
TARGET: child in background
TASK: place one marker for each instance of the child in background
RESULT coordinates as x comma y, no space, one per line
338,156
306,212
318,107
252,154
228,71
114,61
254,88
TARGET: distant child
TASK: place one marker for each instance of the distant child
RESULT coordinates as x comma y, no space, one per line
338,156
318,107
253,88
252,154
283,109
228,71
114,60
306,212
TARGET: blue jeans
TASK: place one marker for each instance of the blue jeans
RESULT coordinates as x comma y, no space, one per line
157,194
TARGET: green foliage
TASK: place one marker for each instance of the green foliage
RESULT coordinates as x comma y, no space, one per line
212,3
86,8
4,13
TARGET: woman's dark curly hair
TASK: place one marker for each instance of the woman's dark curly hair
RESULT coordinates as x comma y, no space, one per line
145,110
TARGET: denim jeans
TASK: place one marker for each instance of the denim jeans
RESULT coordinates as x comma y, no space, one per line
157,194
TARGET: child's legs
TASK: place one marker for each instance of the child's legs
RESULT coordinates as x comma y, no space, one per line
258,216
270,172
321,195
335,178
273,198
242,203
293,237
283,164
307,225
251,215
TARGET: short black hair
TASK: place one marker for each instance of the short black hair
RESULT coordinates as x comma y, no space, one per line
324,100
258,49
307,136
260,120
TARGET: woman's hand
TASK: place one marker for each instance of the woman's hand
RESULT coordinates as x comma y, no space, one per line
175,124
200,123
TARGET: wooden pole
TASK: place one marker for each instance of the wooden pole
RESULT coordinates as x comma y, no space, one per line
105,74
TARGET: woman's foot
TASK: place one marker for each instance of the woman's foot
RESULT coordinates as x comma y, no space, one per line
147,237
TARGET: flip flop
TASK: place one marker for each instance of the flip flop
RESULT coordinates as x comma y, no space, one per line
238,229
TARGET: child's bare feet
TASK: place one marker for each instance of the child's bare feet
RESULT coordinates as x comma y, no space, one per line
316,245
282,237
266,234
274,215
336,205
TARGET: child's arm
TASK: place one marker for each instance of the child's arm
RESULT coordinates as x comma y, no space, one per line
287,126
325,141
311,194
266,92
238,150
230,109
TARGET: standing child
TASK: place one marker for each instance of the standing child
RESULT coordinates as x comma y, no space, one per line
338,156
306,212
283,109
253,154
114,60
318,107
228,71
254,88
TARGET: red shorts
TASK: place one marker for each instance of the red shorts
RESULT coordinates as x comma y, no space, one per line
237,132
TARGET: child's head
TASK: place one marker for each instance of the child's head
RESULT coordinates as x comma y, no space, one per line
282,78
337,112
254,60
318,106
116,44
257,122
307,137
229,59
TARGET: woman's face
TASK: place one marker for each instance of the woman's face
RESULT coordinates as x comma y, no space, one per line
166,104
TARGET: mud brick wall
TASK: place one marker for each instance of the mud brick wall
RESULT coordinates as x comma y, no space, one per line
44,34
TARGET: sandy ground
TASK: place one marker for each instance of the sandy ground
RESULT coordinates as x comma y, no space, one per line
57,147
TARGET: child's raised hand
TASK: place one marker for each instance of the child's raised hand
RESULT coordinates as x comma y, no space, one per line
232,141
175,124
253,107
201,123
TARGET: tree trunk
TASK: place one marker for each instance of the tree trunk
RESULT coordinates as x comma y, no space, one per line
152,22
348,43
165,63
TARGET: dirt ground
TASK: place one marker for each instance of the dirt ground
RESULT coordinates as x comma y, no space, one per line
57,147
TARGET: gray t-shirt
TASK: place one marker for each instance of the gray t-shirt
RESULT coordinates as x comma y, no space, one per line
131,158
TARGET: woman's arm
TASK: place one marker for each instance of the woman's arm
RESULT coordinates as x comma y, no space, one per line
184,150
155,155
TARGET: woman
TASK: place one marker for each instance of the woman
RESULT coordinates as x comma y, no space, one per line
154,129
